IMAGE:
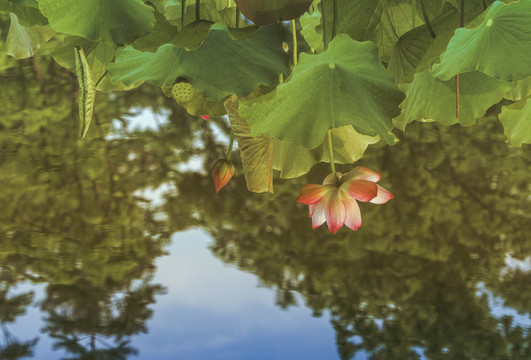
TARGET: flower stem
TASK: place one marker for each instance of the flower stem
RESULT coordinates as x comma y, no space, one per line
294,33
229,152
197,10
331,150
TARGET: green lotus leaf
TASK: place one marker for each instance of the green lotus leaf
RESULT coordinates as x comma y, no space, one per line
430,98
219,67
516,121
263,12
499,47
344,85
116,22
22,42
256,152
293,160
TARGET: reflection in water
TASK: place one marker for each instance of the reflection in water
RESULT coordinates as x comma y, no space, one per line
407,283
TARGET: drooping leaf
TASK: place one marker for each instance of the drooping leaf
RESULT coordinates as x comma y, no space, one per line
161,34
256,152
183,13
215,69
380,21
415,50
499,47
87,92
516,121
344,85
116,22
293,160
27,11
309,30
263,12
430,98
22,42
521,90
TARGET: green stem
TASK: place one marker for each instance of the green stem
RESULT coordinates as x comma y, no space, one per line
238,16
414,13
229,152
427,19
294,33
331,150
335,20
323,19
183,7
197,10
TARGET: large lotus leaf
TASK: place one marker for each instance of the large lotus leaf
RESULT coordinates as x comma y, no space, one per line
219,67
256,152
263,12
22,42
500,47
344,85
293,160
516,120
430,98
117,22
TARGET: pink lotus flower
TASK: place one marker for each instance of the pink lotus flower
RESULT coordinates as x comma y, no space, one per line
205,117
335,200
222,172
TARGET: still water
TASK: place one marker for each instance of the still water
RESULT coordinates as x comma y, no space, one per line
117,246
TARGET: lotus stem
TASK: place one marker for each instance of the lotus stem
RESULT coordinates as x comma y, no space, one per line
238,16
413,13
335,20
331,150
461,24
231,143
427,19
323,18
197,10
183,8
294,33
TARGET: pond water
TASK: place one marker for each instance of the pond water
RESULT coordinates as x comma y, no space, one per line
117,246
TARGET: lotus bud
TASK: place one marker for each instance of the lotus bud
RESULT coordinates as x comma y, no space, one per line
222,172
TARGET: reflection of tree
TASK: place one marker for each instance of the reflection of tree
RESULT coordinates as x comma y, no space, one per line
71,217
407,281
12,306
72,344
